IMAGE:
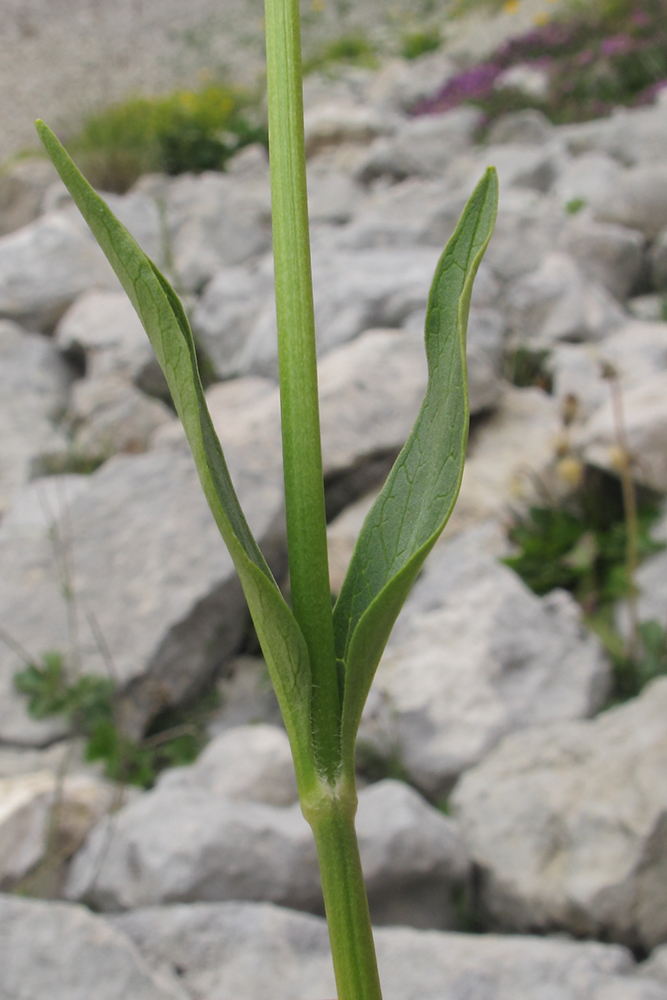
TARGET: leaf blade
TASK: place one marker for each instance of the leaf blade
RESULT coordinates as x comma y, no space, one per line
168,330
419,494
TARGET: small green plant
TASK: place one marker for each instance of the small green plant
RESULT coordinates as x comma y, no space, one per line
582,546
89,705
354,50
575,205
418,43
321,660
187,130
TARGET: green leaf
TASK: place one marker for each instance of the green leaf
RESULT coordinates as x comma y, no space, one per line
417,499
168,330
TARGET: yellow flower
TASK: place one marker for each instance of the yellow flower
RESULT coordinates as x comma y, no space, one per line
541,19
571,471
318,5
511,6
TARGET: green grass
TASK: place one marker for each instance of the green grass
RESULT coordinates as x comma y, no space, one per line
580,546
89,704
351,50
418,43
187,130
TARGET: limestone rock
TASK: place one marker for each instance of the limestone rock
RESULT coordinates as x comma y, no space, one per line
638,200
45,266
645,420
34,383
103,326
417,212
146,560
252,763
527,229
631,136
109,415
557,303
529,127
67,953
353,292
608,254
216,220
22,187
658,257
475,655
568,824
247,696
509,452
223,949
31,803
588,178
422,147
181,843
338,121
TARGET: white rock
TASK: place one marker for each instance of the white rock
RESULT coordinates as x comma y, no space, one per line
533,81
637,351
608,254
253,763
658,258
67,953
144,553
247,696
423,146
589,178
220,950
638,200
103,326
411,857
333,196
527,228
518,165
631,136
354,291
46,265
399,83
509,455
337,121
417,212
475,655
529,127
22,187
655,967
645,422
557,303
182,843
34,383
216,220
576,372
31,803
108,415
568,821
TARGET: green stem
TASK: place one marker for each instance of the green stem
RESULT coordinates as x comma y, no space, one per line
302,455
345,900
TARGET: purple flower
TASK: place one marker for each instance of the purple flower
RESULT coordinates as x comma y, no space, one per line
649,94
640,18
616,45
586,57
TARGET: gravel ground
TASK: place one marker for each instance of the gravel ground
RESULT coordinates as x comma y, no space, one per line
60,58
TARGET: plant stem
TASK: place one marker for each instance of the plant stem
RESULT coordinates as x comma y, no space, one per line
631,521
345,900
302,455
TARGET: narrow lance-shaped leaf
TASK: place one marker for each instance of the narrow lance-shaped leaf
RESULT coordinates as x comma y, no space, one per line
169,332
419,494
